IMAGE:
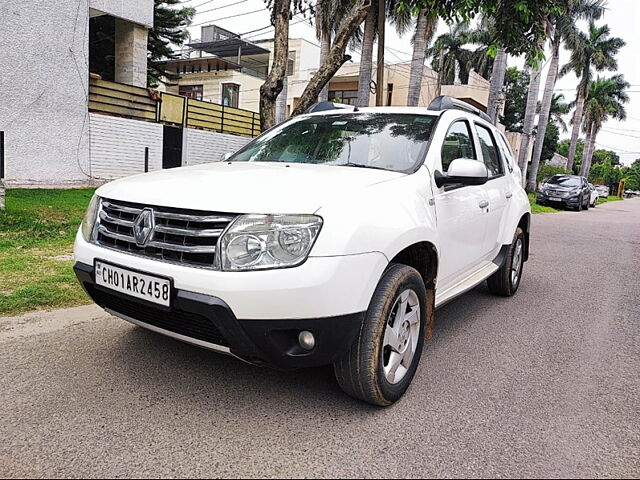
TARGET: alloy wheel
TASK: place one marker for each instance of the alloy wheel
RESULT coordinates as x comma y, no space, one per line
401,336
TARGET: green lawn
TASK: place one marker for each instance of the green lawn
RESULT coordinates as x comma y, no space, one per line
535,208
37,230
610,198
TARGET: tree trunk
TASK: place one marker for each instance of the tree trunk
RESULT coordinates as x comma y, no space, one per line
336,57
325,47
366,58
281,102
545,111
575,133
424,30
529,119
497,83
275,80
587,155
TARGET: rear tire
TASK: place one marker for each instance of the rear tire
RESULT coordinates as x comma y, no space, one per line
382,362
506,280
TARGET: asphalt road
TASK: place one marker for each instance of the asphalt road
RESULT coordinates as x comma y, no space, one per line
545,384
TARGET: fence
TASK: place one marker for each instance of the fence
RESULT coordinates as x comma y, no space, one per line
138,103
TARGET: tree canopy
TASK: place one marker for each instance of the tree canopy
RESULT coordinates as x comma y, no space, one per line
519,24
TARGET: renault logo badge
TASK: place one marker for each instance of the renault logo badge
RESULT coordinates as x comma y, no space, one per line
143,227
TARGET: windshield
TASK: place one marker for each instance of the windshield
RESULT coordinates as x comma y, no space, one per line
387,141
565,181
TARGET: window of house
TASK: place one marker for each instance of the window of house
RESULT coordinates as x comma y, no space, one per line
291,63
489,151
191,91
457,144
230,94
344,96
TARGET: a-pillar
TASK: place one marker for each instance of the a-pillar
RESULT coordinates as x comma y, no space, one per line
131,53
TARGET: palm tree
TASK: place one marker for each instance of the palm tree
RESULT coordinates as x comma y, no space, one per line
529,119
557,111
560,27
424,27
605,100
451,59
591,49
366,56
426,24
328,14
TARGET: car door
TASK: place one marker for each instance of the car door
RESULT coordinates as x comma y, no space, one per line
497,189
460,209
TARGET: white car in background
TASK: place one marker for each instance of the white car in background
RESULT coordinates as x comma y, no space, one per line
603,191
329,239
594,196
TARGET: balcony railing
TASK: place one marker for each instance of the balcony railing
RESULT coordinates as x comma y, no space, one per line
117,99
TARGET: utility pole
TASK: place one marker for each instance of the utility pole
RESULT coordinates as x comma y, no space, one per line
380,66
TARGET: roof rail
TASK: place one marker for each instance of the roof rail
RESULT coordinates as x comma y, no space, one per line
324,106
444,102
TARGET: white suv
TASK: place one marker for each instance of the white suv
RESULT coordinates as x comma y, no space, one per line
329,239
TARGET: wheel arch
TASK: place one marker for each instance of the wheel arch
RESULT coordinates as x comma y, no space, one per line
423,256
525,225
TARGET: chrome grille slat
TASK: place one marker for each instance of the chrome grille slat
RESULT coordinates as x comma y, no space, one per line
121,208
195,218
118,221
186,237
187,232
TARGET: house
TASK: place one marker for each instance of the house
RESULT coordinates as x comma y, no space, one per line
223,68
558,161
45,82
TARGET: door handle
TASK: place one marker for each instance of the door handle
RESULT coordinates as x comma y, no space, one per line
483,203
509,194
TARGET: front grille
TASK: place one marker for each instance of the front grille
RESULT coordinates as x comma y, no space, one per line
179,236
188,324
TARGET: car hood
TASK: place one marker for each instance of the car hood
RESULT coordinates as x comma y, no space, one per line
244,187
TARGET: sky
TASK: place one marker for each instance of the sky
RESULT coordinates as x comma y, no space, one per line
623,16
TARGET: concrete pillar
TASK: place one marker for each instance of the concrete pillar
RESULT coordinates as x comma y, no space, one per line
131,53
2,192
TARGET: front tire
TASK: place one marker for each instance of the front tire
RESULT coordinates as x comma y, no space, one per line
506,280
580,203
382,362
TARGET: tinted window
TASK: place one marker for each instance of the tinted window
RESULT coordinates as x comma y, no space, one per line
390,142
489,151
457,144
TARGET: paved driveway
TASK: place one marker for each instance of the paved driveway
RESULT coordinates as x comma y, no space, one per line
544,384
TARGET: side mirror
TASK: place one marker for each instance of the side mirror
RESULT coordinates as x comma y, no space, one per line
226,156
463,171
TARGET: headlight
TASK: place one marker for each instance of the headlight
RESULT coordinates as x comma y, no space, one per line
258,242
90,218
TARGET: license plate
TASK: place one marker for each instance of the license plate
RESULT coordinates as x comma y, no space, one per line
139,285
555,199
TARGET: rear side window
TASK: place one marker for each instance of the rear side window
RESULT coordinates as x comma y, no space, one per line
457,144
506,152
489,151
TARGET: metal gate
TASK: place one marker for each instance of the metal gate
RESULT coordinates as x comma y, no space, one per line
171,147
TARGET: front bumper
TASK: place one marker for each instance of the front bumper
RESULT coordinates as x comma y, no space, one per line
543,199
207,321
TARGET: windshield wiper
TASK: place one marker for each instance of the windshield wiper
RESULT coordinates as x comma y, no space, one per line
359,165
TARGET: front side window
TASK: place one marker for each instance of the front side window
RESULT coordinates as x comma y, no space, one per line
383,141
489,151
457,144
230,94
